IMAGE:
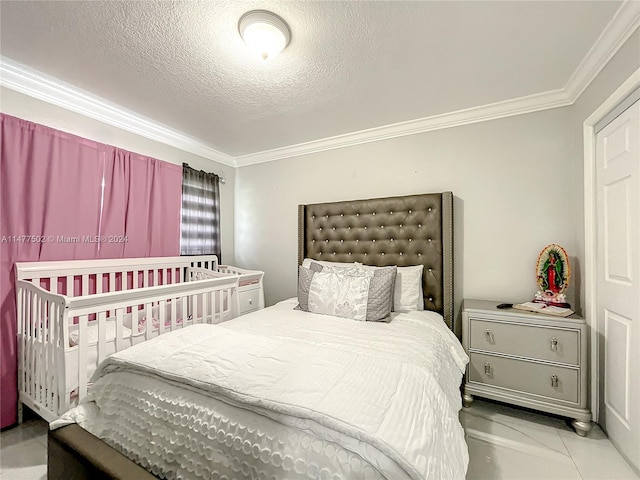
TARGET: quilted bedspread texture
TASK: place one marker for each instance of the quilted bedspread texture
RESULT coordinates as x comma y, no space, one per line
285,394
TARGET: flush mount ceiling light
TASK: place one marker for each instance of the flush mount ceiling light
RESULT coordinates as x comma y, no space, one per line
264,32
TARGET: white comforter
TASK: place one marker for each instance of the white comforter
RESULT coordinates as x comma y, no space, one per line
287,394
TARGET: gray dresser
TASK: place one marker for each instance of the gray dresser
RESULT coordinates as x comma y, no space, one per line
527,359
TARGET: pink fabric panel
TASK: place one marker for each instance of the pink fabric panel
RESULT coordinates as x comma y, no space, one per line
141,202
51,187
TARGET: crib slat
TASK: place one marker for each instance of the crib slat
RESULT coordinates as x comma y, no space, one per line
25,352
85,285
26,340
148,312
51,355
185,308
220,305
205,303
44,379
70,286
99,280
40,346
214,306
53,284
120,328
162,306
193,308
32,347
102,336
29,345
155,276
83,346
20,346
57,372
112,282
174,314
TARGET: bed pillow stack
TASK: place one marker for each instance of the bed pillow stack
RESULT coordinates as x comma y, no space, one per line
349,291
407,294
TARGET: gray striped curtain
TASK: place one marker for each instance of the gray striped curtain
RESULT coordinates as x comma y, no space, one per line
200,233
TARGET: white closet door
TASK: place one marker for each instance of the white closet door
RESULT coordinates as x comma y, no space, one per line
618,280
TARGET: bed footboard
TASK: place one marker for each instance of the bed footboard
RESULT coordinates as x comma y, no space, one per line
75,454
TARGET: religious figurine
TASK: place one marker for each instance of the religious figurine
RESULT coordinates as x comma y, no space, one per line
553,273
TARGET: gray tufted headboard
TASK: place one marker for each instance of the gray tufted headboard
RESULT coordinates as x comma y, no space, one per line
403,231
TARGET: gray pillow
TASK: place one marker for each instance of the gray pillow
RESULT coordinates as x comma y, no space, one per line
305,275
380,298
381,291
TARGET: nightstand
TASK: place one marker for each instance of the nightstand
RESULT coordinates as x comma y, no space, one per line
527,359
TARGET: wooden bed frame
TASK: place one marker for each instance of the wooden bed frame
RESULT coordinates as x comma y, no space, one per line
407,230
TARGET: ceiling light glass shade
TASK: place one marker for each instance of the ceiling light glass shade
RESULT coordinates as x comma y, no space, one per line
264,32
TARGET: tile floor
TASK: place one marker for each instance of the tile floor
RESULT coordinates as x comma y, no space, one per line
504,443
23,451
517,444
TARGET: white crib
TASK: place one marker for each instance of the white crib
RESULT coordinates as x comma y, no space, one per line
72,314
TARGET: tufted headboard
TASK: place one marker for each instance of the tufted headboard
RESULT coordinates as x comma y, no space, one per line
403,231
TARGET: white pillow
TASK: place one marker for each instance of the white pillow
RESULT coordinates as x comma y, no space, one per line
341,292
408,294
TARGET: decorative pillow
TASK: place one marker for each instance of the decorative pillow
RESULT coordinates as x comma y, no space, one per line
305,275
341,292
408,294
381,292
307,262
380,301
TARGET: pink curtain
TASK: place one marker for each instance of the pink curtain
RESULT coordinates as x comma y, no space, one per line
55,186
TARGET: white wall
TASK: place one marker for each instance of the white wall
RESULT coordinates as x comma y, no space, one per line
34,110
512,179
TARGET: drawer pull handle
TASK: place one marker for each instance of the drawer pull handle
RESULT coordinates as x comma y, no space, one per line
488,335
554,381
251,301
554,345
487,369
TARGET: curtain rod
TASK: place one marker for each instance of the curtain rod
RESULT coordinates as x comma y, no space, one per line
221,179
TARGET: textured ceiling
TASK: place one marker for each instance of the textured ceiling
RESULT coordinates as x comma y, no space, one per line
350,65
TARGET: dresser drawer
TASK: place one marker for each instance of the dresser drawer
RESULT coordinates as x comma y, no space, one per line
249,300
541,343
524,376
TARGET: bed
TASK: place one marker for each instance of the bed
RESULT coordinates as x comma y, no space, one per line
73,314
285,393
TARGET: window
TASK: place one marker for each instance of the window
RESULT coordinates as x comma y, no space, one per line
200,231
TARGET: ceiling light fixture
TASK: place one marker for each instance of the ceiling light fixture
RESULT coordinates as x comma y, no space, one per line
264,32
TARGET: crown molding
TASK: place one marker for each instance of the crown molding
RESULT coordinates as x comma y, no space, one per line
35,84
507,108
625,21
